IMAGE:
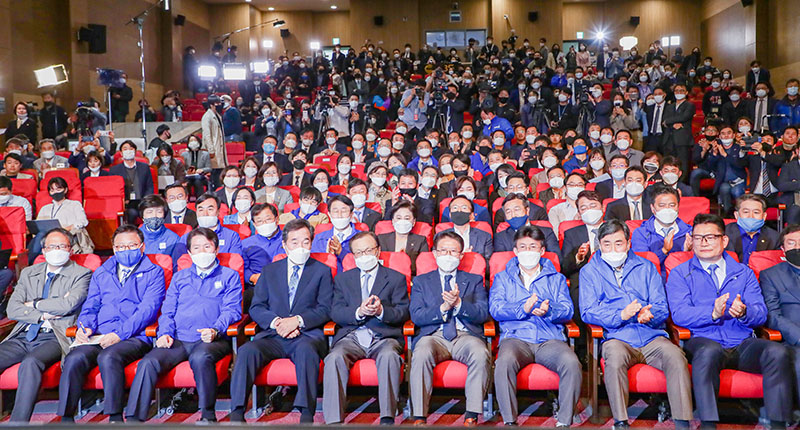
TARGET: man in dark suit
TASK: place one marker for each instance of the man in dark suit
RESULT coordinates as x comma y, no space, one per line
655,115
357,191
614,187
671,173
518,182
297,176
407,183
370,304
517,212
755,75
44,303
678,139
475,239
449,307
137,176
338,58
779,287
789,178
633,206
290,305
177,199
268,153
748,233
580,242
359,153
760,105
763,175
249,90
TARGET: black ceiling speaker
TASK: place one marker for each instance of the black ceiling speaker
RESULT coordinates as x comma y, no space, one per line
95,34
378,20
180,20
533,16
746,3
635,20
284,33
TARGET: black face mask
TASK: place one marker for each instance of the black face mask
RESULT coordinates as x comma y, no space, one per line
58,196
484,150
409,191
451,96
459,218
503,99
792,256
460,173
299,164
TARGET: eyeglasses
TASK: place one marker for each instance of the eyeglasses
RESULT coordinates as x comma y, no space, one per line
706,238
451,252
127,246
60,247
364,252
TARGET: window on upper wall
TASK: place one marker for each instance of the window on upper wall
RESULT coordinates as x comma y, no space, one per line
455,38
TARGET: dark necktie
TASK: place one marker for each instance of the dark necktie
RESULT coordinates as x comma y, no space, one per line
449,331
33,329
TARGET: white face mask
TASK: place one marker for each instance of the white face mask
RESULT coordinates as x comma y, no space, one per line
398,145
378,180
594,134
670,178
359,200
447,263
428,181
340,223
466,134
658,98
402,226
290,143
470,195
556,182
401,130
203,260
499,141
618,173
744,129
271,181
177,206
365,263
307,142
572,192
321,186
266,229
606,138
48,155
761,93
242,205
592,216
370,138
250,172
597,164
666,216
330,140
549,162
614,259
529,259
299,255
650,102
56,257
683,96
194,145
529,138
384,151
424,153
94,169
357,144
207,221
733,97
230,181
166,159
634,189
493,167
344,169
307,208
623,144
128,154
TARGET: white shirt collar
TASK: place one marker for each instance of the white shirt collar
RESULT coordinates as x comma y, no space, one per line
207,271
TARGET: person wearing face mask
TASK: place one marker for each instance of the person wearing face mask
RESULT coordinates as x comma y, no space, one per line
428,186
321,180
49,160
213,137
379,190
197,164
714,98
556,178
208,206
581,241
336,240
414,102
475,240
243,200
655,115
121,97
670,173
492,122
7,199
169,169
632,206
663,233
231,179
69,213
163,135
789,106
357,192
623,293
761,104
729,173
125,295
269,151
407,184
580,157
261,247
157,238
448,307
720,302
360,154
297,176
614,187
531,302
310,199
600,107
200,304
622,146
701,157
404,216
231,120
424,156
567,210
370,319
518,212
736,107
44,303
756,75
292,302
749,234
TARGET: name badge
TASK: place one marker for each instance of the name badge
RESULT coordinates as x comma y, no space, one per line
217,285
162,245
133,196
60,166
222,242
139,275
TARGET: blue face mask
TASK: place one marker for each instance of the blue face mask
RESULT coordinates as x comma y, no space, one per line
129,257
153,223
750,225
580,149
517,222
269,148
396,170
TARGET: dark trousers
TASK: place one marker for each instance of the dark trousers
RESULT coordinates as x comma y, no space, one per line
683,153
34,357
196,185
112,362
305,353
770,359
202,359
653,142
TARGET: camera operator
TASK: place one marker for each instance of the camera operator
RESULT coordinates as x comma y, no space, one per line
452,110
333,115
54,120
88,120
535,112
414,103
24,123
565,116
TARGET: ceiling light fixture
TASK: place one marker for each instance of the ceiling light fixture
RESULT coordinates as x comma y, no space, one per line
333,6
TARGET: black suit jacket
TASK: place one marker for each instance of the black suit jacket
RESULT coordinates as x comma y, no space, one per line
312,300
573,239
370,218
189,218
678,114
366,154
28,128
618,209
286,179
426,210
750,81
752,162
282,160
535,213
767,239
389,286
143,177
779,286
751,109
789,182
414,246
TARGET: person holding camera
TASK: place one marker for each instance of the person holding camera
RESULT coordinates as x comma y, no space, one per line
414,103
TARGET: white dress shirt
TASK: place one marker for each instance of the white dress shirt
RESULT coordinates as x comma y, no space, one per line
457,309
720,272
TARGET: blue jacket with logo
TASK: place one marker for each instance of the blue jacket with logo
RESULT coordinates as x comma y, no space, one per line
229,241
320,244
692,293
602,300
126,309
260,251
508,295
194,303
164,241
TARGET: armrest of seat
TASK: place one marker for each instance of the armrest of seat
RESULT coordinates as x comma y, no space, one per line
251,329
409,329
151,330
237,328
572,329
769,334
678,333
71,331
595,331
330,328
782,206
489,328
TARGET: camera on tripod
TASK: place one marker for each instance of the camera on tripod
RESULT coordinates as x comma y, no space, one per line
33,111
583,97
323,98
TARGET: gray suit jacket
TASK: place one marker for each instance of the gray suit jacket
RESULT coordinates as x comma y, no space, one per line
203,161
281,197
67,292
57,160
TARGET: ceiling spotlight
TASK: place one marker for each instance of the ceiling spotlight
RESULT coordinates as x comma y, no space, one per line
333,6
314,46
52,75
248,1
270,8
278,23
266,43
